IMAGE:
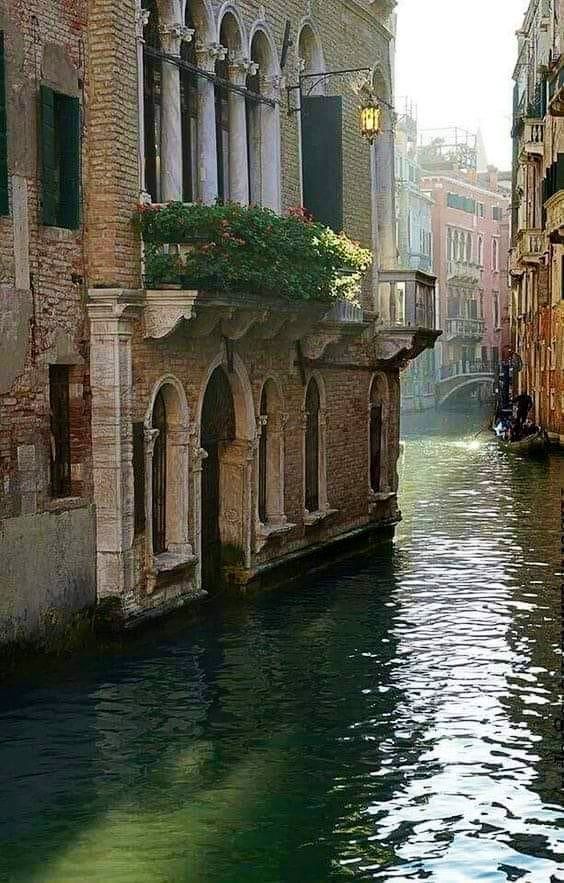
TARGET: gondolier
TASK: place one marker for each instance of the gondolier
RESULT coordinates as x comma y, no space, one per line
524,404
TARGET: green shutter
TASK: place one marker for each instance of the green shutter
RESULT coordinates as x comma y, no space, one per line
322,159
49,160
69,120
4,203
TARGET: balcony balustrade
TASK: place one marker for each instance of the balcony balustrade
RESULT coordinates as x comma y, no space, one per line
456,369
464,272
530,247
465,329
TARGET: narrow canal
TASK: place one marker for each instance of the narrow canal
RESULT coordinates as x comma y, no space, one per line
390,719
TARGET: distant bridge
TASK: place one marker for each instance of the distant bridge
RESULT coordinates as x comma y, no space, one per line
460,376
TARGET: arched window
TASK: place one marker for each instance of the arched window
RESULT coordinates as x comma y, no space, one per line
377,434
253,113
189,106
312,446
152,73
455,246
159,475
495,254
481,251
449,244
270,495
263,460
376,419
469,248
222,131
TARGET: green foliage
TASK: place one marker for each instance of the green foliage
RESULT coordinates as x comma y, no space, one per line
250,250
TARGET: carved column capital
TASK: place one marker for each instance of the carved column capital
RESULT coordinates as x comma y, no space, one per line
150,436
141,21
273,85
242,67
208,53
173,35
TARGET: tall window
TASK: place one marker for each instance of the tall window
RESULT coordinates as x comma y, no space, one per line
253,113
376,425
496,309
455,246
468,247
263,459
152,103
481,251
312,448
189,105
60,159
159,476
60,430
495,254
222,131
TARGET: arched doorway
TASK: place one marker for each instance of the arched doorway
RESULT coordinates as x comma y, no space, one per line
218,431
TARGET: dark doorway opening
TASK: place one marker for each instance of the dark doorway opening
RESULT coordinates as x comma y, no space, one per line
217,430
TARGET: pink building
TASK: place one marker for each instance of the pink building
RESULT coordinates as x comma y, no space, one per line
470,245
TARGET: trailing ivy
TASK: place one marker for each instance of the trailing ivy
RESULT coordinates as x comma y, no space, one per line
253,250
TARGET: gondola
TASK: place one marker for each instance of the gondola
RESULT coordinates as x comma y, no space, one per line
536,443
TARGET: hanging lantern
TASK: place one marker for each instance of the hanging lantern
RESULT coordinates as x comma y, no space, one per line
370,114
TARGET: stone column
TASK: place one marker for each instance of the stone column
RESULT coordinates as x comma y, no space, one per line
238,149
207,55
150,438
323,496
172,36
141,22
111,312
197,457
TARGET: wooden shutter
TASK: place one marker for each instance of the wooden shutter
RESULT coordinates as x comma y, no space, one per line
322,159
4,204
49,161
69,121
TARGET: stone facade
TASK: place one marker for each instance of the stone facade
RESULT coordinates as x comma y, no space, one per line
304,402
537,254
42,310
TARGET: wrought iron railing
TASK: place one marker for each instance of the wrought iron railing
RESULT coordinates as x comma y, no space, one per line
457,369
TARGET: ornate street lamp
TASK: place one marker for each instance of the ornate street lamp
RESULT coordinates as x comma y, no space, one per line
370,116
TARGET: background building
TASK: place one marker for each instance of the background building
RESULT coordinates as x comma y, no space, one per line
470,241
415,247
537,256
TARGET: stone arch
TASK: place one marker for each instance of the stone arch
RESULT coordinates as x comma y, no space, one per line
200,13
263,121
270,456
315,448
226,491
310,56
231,30
168,393
378,441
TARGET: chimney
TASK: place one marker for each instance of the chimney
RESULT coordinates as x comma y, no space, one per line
492,177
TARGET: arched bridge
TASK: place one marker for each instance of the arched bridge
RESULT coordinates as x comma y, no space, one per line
462,375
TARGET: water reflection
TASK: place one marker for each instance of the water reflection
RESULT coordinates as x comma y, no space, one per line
388,720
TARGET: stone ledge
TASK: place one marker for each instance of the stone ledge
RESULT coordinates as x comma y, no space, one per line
64,504
312,519
168,562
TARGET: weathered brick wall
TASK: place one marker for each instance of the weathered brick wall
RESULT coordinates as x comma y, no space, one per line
44,42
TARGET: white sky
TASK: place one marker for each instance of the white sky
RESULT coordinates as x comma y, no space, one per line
454,60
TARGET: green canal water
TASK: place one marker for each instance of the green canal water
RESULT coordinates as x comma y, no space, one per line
389,719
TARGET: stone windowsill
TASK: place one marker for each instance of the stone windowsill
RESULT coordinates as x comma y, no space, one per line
268,531
167,562
63,504
59,234
312,519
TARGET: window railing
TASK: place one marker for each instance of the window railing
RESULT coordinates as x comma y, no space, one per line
465,328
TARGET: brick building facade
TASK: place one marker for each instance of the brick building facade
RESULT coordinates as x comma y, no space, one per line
233,430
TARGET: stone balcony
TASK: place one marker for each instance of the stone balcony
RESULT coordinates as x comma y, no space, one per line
464,329
464,273
407,306
555,218
532,141
530,247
